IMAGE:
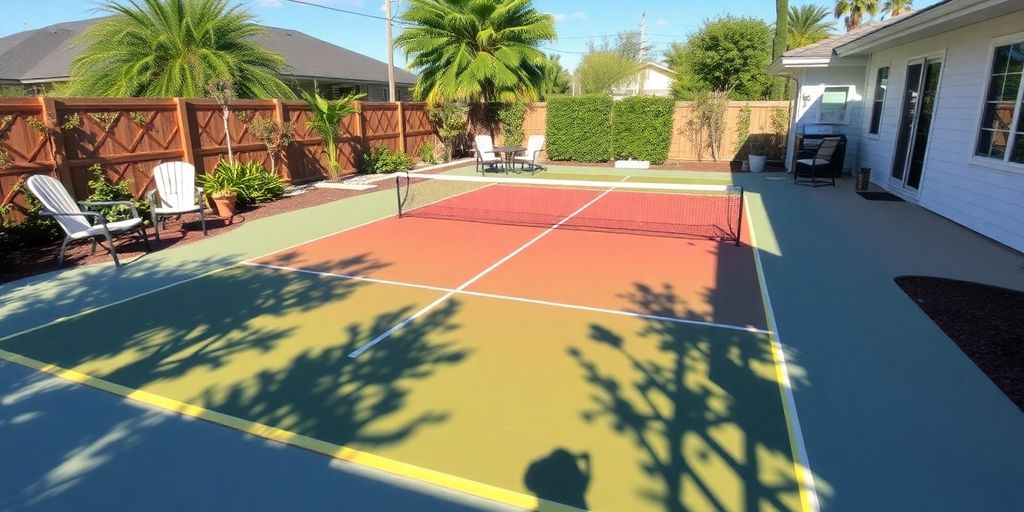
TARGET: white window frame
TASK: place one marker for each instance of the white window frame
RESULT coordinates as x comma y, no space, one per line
869,101
846,112
988,162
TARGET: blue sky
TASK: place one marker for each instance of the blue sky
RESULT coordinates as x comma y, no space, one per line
577,20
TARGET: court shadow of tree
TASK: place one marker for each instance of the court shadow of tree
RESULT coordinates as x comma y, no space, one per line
194,325
701,404
327,395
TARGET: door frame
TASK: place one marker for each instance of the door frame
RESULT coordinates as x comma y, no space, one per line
899,187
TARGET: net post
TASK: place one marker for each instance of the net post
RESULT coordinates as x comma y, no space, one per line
739,219
398,190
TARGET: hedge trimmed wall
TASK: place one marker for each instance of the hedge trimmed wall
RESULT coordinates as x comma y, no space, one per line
642,128
580,128
596,128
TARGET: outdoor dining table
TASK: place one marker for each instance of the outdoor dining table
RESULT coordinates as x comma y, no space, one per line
508,155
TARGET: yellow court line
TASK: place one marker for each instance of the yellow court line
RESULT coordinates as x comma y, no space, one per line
358,457
801,464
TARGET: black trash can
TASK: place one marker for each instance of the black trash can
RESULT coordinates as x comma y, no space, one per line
863,178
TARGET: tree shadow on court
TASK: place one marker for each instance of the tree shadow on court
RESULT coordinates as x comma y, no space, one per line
199,324
701,404
327,395
173,343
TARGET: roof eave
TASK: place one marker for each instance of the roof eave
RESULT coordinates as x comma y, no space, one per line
923,23
789,65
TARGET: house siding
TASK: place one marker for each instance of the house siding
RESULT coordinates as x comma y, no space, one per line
987,200
812,86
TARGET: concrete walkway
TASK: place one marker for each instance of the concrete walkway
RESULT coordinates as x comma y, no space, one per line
894,416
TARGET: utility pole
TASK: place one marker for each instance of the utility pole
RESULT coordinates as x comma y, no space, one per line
391,52
643,54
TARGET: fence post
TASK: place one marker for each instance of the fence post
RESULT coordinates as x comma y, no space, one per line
283,165
360,141
401,128
188,153
56,136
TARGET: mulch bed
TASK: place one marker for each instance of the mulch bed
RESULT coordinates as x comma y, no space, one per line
30,261
987,322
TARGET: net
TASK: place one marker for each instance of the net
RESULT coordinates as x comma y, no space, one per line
658,209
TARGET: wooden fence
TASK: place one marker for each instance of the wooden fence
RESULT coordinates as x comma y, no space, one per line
684,147
129,137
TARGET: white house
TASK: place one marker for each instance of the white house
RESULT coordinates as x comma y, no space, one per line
933,103
652,79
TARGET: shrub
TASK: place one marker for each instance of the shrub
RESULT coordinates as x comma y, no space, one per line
511,116
382,159
642,128
449,119
104,190
579,128
708,123
250,181
427,151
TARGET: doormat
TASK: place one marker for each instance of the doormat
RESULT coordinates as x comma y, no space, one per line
879,196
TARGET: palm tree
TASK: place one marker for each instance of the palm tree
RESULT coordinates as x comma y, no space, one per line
476,50
853,11
897,7
174,48
807,24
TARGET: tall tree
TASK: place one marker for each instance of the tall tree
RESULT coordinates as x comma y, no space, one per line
808,24
174,48
778,90
853,11
732,54
476,50
897,7
685,85
556,79
601,71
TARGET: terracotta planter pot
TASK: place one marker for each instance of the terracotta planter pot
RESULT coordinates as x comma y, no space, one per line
224,205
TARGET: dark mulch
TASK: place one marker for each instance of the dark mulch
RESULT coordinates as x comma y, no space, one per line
29,261
987,322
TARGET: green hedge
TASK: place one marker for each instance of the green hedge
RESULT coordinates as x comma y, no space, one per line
642,127
597,129
580,128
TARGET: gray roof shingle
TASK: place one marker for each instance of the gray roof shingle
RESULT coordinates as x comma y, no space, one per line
824,48
47,53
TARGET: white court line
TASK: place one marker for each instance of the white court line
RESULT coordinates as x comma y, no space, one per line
513,298
399,326
804,474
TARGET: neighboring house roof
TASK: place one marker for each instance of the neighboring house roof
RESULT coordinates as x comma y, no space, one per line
659,67
46,54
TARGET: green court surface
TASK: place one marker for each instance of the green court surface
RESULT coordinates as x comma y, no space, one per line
498,391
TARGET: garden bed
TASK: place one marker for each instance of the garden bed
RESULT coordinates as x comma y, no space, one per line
986,322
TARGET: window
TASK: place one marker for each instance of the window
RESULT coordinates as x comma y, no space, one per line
881,84
998,138
833,105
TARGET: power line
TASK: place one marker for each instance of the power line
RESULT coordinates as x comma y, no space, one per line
346,11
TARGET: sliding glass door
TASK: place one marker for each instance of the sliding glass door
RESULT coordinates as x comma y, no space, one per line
919,95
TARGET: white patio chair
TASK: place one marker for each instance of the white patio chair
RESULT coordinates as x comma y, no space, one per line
73,219
175,194
485,155
534,145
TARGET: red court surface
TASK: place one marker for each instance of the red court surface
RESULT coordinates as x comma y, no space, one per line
474,242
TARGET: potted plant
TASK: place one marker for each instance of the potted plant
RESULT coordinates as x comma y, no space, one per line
759,146
222,187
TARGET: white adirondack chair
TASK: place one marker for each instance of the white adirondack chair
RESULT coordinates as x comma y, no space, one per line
534,145
485,155
74,220
175,194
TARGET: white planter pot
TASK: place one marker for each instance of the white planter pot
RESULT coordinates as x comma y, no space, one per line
632,164
757,162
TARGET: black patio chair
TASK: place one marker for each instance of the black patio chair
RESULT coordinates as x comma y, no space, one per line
806,170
